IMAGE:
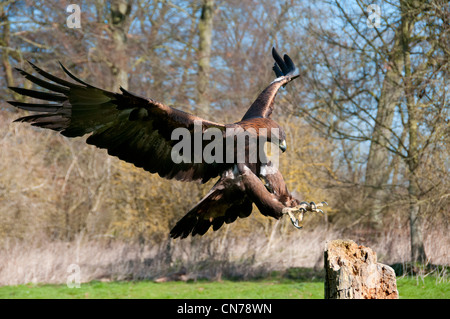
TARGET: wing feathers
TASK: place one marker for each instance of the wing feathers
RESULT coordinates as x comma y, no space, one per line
289,63
39,95
73,76
282,67
52,77
36,107
279,61
42,83
135,129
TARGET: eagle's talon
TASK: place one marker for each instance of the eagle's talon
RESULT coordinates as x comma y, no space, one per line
302,208
290,211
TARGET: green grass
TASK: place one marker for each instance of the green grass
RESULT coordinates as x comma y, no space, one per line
177,290
408,287
422,288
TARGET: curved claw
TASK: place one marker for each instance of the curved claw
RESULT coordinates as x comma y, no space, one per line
303,203
295,223
321,205
315,207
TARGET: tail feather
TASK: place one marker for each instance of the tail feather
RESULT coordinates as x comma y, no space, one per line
195,224
221,205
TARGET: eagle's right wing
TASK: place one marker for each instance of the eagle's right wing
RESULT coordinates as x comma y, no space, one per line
135,129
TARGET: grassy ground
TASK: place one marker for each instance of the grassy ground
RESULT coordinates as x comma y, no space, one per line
179,290
408,287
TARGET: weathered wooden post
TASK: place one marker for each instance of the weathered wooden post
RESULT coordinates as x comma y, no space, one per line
352,272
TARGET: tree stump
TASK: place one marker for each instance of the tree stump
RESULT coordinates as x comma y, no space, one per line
352,272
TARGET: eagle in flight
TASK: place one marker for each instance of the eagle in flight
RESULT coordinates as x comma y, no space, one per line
140,130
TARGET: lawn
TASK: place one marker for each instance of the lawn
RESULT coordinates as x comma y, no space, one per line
408,287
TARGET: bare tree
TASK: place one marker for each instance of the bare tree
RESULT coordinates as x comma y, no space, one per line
375,91
4,43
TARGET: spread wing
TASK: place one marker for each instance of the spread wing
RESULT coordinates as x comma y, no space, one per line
135,129
284,69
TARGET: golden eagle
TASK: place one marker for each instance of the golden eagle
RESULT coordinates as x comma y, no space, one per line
140,130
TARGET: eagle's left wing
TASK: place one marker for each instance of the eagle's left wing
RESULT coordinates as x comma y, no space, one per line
285,70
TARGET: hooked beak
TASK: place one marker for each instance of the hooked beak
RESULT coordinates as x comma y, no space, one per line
282,146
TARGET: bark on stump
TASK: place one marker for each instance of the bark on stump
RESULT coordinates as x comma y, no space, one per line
352,272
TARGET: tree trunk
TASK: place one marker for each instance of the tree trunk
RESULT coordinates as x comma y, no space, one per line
120,11
205,27
415,227
417,246
5,52
377,171
352,272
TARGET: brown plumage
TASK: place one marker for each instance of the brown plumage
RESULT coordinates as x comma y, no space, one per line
139,131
